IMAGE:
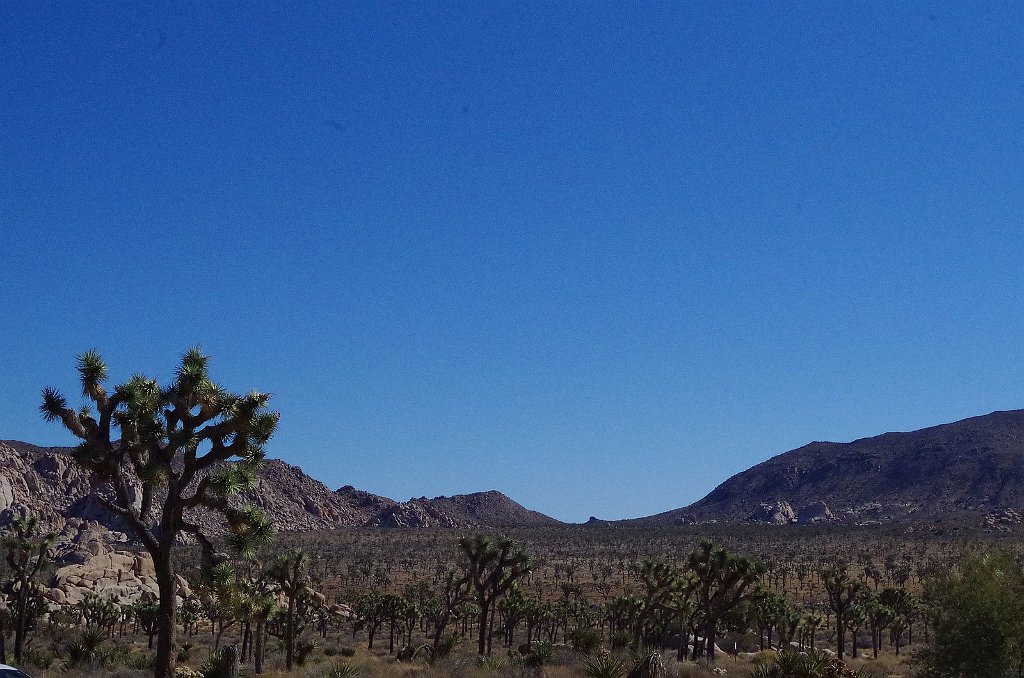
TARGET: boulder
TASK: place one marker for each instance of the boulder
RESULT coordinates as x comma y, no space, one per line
815,512
6,493
779,513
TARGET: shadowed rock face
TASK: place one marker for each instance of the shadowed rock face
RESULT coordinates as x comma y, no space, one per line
968,468
45,482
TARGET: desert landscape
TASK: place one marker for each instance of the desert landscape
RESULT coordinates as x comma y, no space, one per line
836,555
529,339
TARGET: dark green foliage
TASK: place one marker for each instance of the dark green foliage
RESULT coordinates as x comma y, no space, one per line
585,639
721,582
38,657
444,648
977,613
303,649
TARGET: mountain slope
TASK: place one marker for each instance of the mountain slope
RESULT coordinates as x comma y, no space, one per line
43,481
975,465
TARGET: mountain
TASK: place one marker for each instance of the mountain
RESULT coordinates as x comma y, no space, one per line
45,482
492,509
964,470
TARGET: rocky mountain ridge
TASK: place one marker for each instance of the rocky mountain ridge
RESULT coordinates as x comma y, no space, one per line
45,482
971,471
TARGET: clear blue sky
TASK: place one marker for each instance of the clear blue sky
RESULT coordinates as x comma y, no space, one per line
596,256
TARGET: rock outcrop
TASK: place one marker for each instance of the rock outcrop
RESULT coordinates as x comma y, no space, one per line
45,482
412,515
814,513
94,561
778,513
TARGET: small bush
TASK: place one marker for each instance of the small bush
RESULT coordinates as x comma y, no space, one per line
445,647
622,639
39,658
303,648
540,654
139,660
185,651
585,639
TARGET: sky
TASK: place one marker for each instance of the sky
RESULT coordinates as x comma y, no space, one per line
598,256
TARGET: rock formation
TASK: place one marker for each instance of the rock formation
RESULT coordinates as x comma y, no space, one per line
45,482
778,513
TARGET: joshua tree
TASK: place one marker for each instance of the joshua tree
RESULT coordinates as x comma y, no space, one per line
444,607
723,582
659,581
290,573
177,444
492,569
904,607
843,593
370,614
879,618
145,615
28,552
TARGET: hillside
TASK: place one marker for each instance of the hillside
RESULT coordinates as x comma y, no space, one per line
971,469
43,481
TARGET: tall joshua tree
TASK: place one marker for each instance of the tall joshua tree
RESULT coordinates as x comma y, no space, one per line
188,445
492,569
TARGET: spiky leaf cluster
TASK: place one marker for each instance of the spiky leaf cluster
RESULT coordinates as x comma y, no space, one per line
197,442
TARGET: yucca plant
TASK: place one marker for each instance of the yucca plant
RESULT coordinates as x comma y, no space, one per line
605,665
343,670
647,665
815,664
86,648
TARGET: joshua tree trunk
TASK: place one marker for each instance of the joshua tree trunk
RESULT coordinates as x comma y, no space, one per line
439,627
684,641
246,640
482,631
20,620
289,642
3,645
709,639
490,631
164,667
840,636
257,657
